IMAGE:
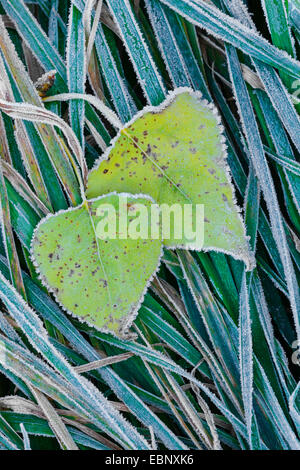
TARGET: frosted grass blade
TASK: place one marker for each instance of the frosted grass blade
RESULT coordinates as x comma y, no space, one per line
30,323
265,178
145,68
41,301
233,32
44,51
8,437
76,70
120,96
294,407
246,353
23,87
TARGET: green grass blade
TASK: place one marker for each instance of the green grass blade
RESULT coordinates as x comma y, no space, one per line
264,175
8,237
145,68
246,354
38,42
8,436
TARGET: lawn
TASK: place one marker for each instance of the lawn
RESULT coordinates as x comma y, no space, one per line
153,340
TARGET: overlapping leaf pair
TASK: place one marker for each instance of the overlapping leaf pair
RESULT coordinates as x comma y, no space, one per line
172,154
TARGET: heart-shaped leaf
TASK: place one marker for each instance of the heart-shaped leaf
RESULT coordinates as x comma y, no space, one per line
95,274
176,154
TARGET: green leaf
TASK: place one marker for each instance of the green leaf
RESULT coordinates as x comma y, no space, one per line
176,154
102,281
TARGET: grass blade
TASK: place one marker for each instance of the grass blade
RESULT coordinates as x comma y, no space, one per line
233,32
76,65
138,51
